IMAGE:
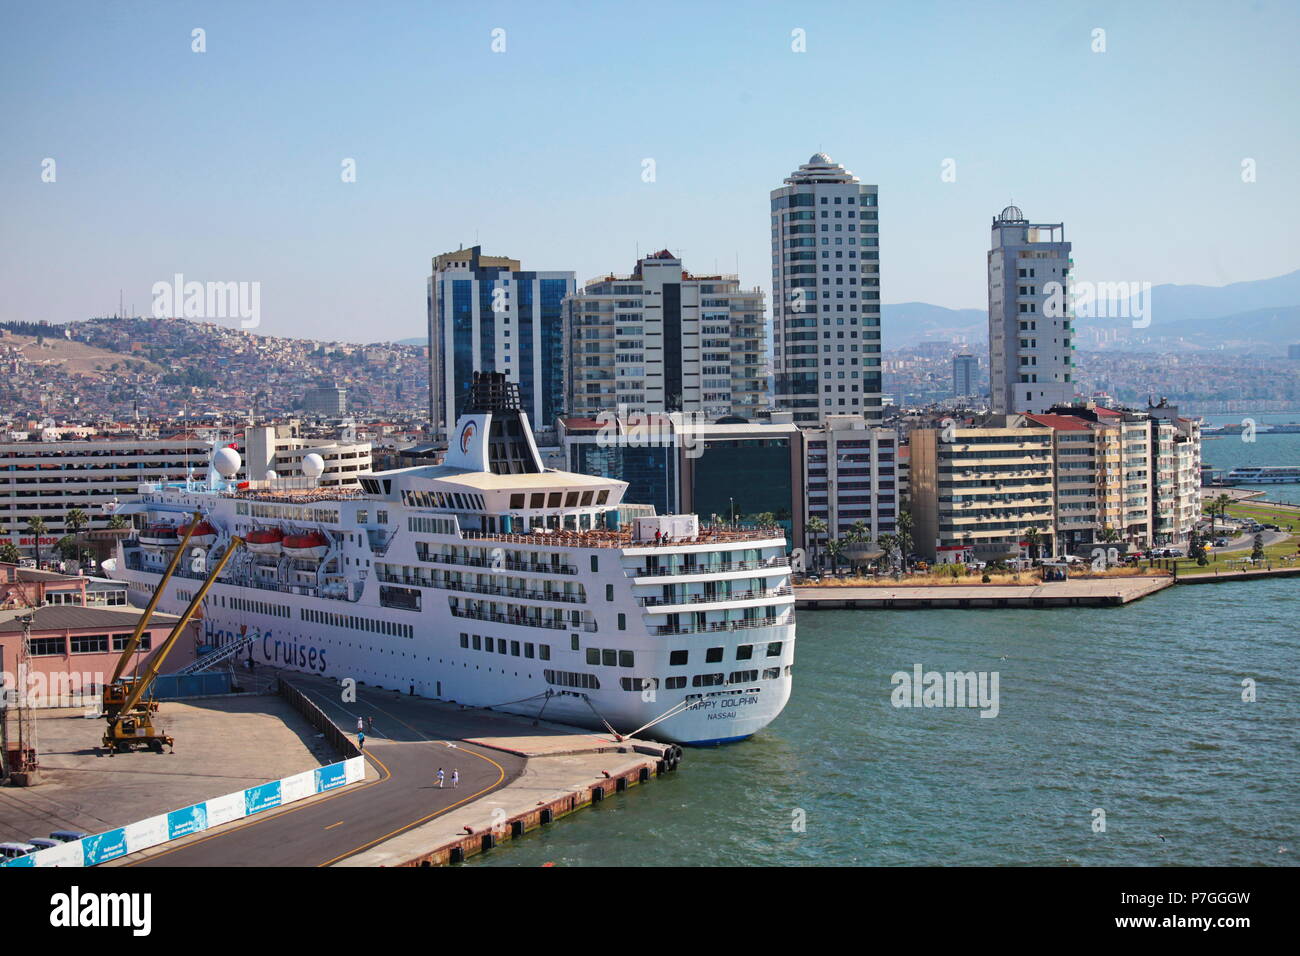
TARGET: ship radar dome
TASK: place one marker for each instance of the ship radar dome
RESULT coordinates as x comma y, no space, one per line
227,462
271,475
313,465
819,159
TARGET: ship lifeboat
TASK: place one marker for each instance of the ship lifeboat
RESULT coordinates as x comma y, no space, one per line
265,541
204,534
311,545
155,537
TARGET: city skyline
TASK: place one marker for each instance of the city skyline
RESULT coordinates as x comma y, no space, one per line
233,171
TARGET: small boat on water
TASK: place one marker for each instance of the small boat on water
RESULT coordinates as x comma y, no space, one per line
1263,475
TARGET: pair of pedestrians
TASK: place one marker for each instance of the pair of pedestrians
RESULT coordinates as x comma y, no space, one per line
455,778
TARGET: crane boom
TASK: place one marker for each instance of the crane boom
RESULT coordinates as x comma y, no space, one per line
134,642
141,683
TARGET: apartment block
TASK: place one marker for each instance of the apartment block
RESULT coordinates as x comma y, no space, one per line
852,471
977,490
664,340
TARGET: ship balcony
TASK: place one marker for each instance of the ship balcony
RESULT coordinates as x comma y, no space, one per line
523,620
776,564
710,627
474,588
505,564
658,601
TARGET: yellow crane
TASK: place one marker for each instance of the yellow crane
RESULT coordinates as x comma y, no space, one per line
128,712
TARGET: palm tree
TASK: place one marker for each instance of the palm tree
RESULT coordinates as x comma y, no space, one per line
9,554
835,547
1034,538
1109,535
36,528
117,521
1218,506
903,529
888,542
815,527
75,520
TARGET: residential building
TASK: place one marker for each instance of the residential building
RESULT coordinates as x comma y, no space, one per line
976,490
488,315
272,448
852,474
664,340
826,294
1031,329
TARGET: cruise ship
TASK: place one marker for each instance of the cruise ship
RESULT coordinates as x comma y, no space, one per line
489,581
1263,475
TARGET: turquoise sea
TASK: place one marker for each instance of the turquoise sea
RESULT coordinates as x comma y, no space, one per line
1136,711
1226,452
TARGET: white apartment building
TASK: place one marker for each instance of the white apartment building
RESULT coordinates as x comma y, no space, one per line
852,472
826,294
1031,327
664,340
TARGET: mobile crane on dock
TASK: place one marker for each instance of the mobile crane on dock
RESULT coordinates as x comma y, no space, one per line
126,709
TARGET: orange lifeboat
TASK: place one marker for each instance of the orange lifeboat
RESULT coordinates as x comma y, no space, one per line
264,541
309,545
204,534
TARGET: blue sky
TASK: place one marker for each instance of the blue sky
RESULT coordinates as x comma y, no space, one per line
225,165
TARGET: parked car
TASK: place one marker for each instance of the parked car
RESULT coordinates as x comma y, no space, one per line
67,836
43,844
11,851
1220,542
1176,552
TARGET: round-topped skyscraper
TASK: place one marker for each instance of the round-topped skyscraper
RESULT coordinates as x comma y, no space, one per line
826,293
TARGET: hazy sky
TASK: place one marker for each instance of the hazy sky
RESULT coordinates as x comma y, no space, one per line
225,165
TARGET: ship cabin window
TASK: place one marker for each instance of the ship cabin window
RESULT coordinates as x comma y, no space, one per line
609,657
609,592
528,649
625,659
774,649
553,499
622,622
713,655
593,655
363,517
678,658
571,499
381,517
674,683
745,652
544,651
516,501
489,645
514,648
575,641
586,498
537,500
595,563
478,642
602,497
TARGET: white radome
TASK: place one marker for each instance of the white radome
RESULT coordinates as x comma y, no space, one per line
313,465
227,462
271,475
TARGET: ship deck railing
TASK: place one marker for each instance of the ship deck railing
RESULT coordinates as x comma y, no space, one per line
523,620
665,630
658,600
762,564
505,564
625,539
471,588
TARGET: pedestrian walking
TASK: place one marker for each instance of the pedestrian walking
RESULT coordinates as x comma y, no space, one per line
370,723
455,779
361,740
361,725
440,778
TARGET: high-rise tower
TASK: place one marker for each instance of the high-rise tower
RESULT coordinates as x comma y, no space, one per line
826,293
1031,326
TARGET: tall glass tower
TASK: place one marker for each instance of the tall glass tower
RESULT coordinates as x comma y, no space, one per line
487,315
826,293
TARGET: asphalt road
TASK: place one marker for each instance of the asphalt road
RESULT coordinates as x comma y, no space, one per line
409,743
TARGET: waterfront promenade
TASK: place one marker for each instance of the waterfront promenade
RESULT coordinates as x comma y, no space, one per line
1077,592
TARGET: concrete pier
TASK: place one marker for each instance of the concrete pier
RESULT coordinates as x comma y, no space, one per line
1078,592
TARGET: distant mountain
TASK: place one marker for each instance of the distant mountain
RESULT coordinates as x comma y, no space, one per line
911,323
1261,332
416,341
1184,303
